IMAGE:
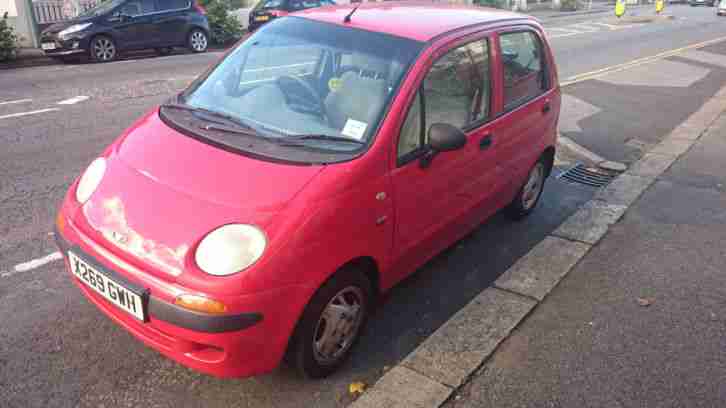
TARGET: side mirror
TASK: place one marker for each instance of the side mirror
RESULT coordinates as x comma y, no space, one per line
444,137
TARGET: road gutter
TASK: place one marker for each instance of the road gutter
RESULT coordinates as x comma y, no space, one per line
445,361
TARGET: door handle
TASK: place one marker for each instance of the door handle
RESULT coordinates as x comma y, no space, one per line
486,142
546,107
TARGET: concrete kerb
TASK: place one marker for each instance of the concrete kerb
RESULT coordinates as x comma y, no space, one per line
430,374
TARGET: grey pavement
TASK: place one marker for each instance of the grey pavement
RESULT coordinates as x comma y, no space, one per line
640,320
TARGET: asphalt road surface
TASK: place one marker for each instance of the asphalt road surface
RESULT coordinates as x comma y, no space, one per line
57,350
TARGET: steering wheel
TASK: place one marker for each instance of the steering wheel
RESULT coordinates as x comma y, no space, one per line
302,104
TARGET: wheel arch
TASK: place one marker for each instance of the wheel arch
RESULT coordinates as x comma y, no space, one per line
549,156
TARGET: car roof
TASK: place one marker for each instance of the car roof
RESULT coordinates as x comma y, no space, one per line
414,20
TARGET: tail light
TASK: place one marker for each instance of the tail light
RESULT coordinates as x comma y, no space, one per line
278,13
200,9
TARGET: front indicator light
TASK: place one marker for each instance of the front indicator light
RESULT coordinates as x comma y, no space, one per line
60,222
200,304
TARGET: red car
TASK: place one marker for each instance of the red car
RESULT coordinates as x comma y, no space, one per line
260,213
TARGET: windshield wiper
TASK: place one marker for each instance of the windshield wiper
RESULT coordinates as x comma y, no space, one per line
295,140
227,129
213,114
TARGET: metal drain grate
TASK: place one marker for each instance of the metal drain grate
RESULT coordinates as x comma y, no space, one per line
589,176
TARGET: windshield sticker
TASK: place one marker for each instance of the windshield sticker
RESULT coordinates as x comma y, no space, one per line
334,84
355,129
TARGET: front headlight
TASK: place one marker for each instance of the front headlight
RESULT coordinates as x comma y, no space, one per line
229,249
74,29
90,180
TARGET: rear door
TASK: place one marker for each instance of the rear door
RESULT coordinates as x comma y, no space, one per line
528,93
171,21
434,200
133,24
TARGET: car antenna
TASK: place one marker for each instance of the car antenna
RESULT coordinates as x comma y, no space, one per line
347,18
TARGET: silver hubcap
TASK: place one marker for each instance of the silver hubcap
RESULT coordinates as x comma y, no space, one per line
338,325
533,187
104,49
199,41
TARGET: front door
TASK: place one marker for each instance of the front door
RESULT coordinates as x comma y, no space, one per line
171,21
434,199
133,26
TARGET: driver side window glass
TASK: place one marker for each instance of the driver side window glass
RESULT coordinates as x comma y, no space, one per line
411,137
457,88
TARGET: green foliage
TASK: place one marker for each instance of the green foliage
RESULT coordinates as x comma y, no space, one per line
225,28
8,40
569,5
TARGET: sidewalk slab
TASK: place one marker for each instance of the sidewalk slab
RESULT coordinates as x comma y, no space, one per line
624,190
460,346
590,222
404,388
651,165
538,272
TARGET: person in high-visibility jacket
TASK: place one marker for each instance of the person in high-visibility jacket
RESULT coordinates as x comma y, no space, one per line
619,8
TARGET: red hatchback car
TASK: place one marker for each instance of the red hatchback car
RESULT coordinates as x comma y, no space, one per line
260,213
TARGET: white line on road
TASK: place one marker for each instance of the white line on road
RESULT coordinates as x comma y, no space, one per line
35,263
14,102
74,100
15,115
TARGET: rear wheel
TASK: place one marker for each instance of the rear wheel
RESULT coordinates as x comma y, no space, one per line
330,325
528,196
197,40
103,49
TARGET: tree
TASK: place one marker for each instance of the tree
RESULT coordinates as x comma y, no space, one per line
8,40
225,28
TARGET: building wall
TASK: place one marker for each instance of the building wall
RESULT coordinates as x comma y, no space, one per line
9,7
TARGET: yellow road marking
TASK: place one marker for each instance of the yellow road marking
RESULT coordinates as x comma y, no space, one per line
634,63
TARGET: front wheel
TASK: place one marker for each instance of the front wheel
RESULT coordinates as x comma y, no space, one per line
528,196
197,41
330,324
103,49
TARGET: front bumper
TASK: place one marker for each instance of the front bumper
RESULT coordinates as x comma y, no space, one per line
239,344
74,44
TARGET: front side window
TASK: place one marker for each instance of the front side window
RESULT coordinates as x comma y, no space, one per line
456,91
523,66
138,7
307,83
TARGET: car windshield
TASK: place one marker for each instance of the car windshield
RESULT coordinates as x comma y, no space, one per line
102,8
309,83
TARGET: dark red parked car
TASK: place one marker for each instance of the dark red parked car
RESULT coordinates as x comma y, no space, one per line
329,155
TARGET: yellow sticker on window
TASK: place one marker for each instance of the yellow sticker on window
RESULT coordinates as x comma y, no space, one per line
334,84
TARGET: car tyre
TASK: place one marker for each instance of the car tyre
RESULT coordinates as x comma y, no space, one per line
103,49
197,41
529,195
330,325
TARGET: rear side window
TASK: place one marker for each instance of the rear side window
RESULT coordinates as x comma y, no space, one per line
165,5
525,73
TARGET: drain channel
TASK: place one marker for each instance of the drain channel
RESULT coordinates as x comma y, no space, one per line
589,176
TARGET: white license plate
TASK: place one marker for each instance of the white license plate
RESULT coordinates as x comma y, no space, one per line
111,290
48,46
